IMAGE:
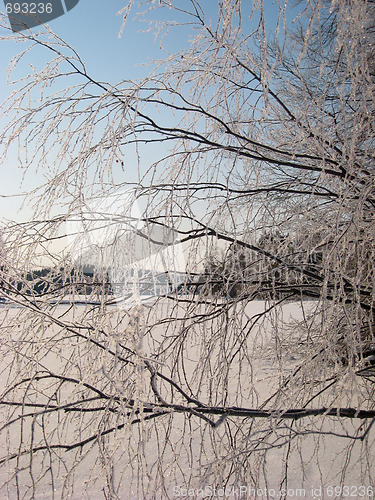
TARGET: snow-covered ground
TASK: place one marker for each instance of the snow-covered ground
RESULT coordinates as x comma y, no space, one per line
175,456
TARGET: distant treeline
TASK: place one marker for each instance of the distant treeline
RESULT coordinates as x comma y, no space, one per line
48,280
88,280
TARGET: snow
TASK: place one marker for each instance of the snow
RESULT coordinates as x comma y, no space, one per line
187,451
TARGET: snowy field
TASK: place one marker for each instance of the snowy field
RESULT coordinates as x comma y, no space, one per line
175,456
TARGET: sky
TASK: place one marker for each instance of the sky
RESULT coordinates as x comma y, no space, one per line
92,28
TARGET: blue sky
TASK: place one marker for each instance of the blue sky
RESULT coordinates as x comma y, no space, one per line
92,28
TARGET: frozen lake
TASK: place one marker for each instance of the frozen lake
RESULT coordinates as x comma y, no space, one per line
174,455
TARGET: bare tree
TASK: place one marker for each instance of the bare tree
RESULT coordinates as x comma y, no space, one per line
255,369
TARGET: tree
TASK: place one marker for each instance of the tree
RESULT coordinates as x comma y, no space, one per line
266,146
